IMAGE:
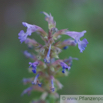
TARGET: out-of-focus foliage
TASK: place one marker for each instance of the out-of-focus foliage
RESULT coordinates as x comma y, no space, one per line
86,74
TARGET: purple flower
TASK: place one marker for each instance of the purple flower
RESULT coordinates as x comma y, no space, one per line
64,66
28,91
27,54
35,80
26,80
34,28
49,51
22,36
30,28
47,59
69,60
77,35
52,84
34,66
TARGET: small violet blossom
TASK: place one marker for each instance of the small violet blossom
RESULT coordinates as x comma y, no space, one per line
28,91
34,66
36,79
70,60
77,35
64,66
22,36
26,80
27,54
30,29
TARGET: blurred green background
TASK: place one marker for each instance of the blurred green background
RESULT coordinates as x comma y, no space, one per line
86,75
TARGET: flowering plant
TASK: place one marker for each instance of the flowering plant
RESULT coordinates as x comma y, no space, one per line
46,64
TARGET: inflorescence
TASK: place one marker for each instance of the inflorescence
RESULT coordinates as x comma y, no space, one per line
46,64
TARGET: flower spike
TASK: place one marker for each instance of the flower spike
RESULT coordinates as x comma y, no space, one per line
47,57
32,42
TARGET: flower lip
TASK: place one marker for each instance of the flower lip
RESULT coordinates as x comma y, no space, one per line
24,24
22,36
34,64
82,44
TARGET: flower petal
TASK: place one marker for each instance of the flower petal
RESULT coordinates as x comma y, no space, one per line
22,36
75,35
82,44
